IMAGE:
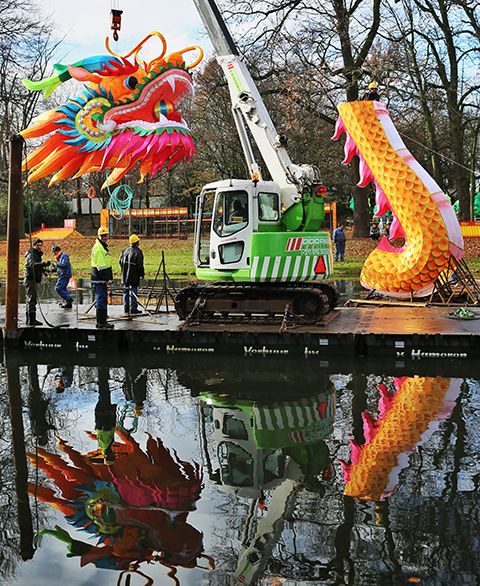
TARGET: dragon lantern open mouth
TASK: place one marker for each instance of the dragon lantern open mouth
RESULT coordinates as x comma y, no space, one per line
127,113
156,107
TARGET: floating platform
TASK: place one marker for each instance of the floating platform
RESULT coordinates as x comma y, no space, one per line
414,333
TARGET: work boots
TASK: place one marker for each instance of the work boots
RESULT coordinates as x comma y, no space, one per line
32,319
102,323
67,304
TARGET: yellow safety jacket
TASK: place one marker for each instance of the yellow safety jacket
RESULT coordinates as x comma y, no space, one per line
101,262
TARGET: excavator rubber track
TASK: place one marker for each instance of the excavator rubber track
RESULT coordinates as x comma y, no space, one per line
266,303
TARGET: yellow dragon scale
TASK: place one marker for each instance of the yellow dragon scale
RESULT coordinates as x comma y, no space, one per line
423,213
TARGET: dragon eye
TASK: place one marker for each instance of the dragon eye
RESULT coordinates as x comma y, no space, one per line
131,82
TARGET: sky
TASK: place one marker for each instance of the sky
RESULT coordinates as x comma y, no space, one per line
86,23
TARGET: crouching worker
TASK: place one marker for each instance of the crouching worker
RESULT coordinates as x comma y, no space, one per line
102,275
63,268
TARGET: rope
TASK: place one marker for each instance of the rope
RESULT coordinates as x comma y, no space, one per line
116,204
442,156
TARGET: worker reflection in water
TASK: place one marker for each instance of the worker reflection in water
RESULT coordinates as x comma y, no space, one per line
102,276
63,378
131,263
105,421
38,408
135,388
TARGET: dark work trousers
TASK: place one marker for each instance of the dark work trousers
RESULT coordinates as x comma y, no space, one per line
61,288
130,302
101,293
31,295
340,250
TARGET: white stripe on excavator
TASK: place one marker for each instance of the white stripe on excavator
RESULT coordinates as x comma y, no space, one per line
305,268
299,412
286,268
268,419
296,267
253,271
266,262
288,411
276,267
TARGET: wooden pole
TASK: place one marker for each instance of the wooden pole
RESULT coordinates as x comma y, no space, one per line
15,207
25,523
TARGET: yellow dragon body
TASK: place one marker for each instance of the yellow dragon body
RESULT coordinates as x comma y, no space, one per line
407,418
422,214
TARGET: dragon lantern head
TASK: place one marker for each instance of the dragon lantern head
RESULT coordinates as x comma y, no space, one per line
126,113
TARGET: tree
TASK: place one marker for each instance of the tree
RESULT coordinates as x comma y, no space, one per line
26,48
331,40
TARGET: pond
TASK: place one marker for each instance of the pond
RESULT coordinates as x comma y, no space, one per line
248,472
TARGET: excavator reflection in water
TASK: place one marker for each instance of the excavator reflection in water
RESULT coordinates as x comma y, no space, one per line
263,446
135,501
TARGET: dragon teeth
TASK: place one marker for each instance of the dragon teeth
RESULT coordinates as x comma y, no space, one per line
171,81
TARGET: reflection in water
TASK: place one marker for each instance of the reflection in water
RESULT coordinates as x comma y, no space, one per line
274,505
407,418
135,502
260,446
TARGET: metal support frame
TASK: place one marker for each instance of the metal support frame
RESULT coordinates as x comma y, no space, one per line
456,285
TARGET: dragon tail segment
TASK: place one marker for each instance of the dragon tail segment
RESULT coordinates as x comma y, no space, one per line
422,214
407,418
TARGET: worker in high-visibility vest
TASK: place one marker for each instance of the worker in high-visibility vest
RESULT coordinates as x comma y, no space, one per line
102,275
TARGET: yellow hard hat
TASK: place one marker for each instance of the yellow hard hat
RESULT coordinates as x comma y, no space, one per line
134,238
102,230
373,85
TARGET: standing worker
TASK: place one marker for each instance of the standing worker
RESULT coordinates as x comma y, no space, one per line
339,239
34,270
63,268
131,263
102,275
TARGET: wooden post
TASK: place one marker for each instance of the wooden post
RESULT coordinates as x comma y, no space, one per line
25,523
15,207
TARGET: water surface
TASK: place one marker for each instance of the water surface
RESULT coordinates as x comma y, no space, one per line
248,472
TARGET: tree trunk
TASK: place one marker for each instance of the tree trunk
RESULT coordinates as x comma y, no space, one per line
79,197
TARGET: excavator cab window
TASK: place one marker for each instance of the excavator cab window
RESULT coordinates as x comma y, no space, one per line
268,207
231,212
236,465
273,466
234,428
203,227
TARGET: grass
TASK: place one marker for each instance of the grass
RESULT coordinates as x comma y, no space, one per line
178,257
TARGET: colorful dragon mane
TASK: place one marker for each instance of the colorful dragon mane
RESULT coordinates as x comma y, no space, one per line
406,419
137,507
422,214
127,113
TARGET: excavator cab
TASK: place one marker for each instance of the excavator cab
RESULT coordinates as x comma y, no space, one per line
228,213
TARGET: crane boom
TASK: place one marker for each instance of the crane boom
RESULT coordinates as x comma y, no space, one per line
249,107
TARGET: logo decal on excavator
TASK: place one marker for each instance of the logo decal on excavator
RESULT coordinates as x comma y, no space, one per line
293,244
